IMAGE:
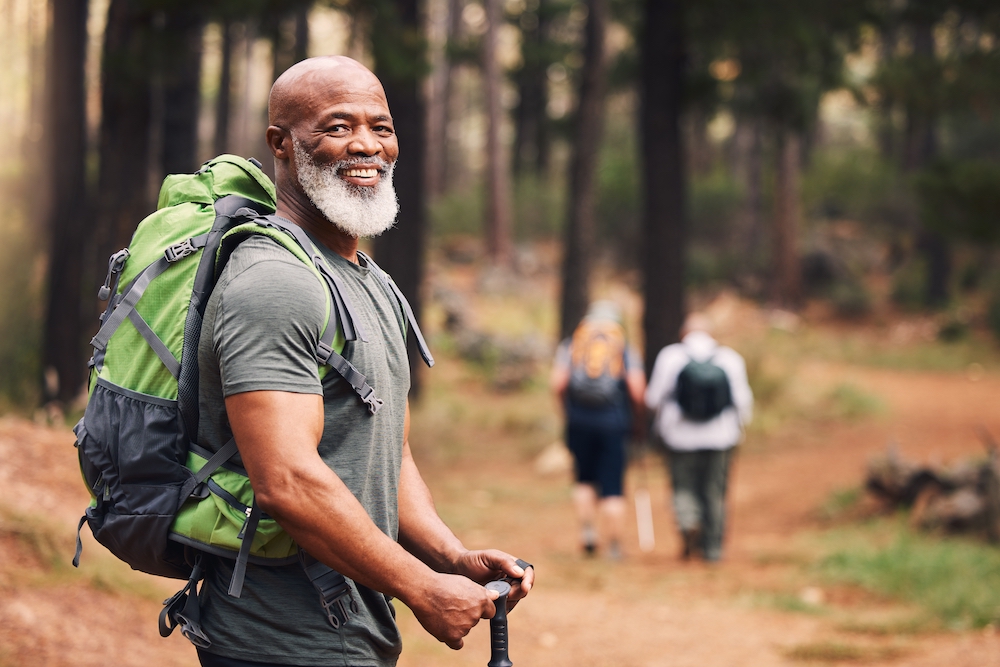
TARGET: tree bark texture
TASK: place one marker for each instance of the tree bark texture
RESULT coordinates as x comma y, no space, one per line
664,224
747,163
580,231
531,120
498,211
399,51
179,61
67,224
921,150
223,102
786,274
441,30
123,182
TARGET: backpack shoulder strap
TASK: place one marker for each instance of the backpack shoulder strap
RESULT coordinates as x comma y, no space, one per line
411,319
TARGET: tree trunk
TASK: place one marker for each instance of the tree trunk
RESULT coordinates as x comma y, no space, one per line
399,57
921,149
438,91
498,214
664,227
578,252
123,197
223,102
786,277
179,61
747,163
301,49
530,120
63,344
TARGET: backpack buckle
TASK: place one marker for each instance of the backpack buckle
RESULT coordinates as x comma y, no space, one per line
179,250
373,402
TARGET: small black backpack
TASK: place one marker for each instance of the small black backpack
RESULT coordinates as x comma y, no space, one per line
702,390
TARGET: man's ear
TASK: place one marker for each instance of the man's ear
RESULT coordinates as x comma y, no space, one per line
279,141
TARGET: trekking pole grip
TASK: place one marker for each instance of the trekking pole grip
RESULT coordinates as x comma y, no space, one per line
498,626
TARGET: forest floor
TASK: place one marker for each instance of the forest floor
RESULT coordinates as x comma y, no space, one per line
481,452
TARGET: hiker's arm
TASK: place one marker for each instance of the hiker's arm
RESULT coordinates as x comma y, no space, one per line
425,535
635,382
559,378
277,434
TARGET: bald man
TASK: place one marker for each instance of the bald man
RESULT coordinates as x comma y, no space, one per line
340,481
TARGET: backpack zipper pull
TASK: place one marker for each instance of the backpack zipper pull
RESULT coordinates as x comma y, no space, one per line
115,265
243,530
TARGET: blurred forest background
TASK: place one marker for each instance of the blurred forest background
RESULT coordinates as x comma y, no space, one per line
846,152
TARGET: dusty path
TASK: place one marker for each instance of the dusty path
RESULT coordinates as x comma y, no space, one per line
649,610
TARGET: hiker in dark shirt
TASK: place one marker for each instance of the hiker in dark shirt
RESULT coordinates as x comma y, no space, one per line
599,381
342,482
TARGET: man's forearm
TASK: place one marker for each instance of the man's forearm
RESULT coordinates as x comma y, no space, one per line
421,530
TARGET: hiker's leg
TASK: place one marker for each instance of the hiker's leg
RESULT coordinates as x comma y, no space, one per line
611,474
716,482
583,445
683,478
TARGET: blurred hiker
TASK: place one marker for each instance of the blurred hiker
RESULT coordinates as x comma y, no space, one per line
335,471
599,380
702,400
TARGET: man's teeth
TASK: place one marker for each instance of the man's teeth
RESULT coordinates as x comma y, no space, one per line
361,173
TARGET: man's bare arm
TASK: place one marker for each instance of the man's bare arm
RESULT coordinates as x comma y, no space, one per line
425,535
277,434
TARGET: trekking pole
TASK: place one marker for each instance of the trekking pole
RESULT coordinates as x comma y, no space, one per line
643,507
498,626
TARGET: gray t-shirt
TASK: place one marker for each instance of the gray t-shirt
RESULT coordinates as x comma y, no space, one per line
260,332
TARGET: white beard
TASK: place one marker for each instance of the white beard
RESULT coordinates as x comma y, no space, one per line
358,211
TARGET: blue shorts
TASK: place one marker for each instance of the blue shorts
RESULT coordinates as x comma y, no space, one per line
597,441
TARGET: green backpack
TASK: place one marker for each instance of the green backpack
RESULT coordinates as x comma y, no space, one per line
158,500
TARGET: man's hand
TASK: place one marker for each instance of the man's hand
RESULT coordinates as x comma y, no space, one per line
451,606
491,564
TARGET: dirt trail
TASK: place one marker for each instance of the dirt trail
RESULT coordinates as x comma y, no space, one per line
648,610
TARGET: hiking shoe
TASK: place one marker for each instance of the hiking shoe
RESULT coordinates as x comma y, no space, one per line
692,543
589,549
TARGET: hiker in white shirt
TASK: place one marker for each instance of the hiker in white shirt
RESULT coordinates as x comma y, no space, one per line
699,445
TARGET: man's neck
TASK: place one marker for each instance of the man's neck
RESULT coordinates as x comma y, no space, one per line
308,217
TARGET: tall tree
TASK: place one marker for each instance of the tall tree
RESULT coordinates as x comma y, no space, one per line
399,48
178,61
123,196
531,127
664,218
786,273
579,233
499,244
63,345
223,101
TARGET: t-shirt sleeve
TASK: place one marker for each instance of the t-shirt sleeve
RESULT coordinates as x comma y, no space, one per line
270,319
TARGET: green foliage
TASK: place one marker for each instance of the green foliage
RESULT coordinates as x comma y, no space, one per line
957,580
619,186
849,402
908,283
850,298
961,199
459,212
21,308
856,184
715,202
539,208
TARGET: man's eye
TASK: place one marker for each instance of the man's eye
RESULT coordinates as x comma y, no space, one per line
383,129
338,129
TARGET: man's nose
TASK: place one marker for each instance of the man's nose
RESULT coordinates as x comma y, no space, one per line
364,142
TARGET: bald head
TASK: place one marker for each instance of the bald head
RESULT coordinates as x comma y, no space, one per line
697,322
297,91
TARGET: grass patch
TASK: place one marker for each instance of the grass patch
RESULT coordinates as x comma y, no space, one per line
831,651
849,402
43,553
841,503
957,581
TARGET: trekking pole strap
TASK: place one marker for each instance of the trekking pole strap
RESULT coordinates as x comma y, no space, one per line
335,593
247,535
